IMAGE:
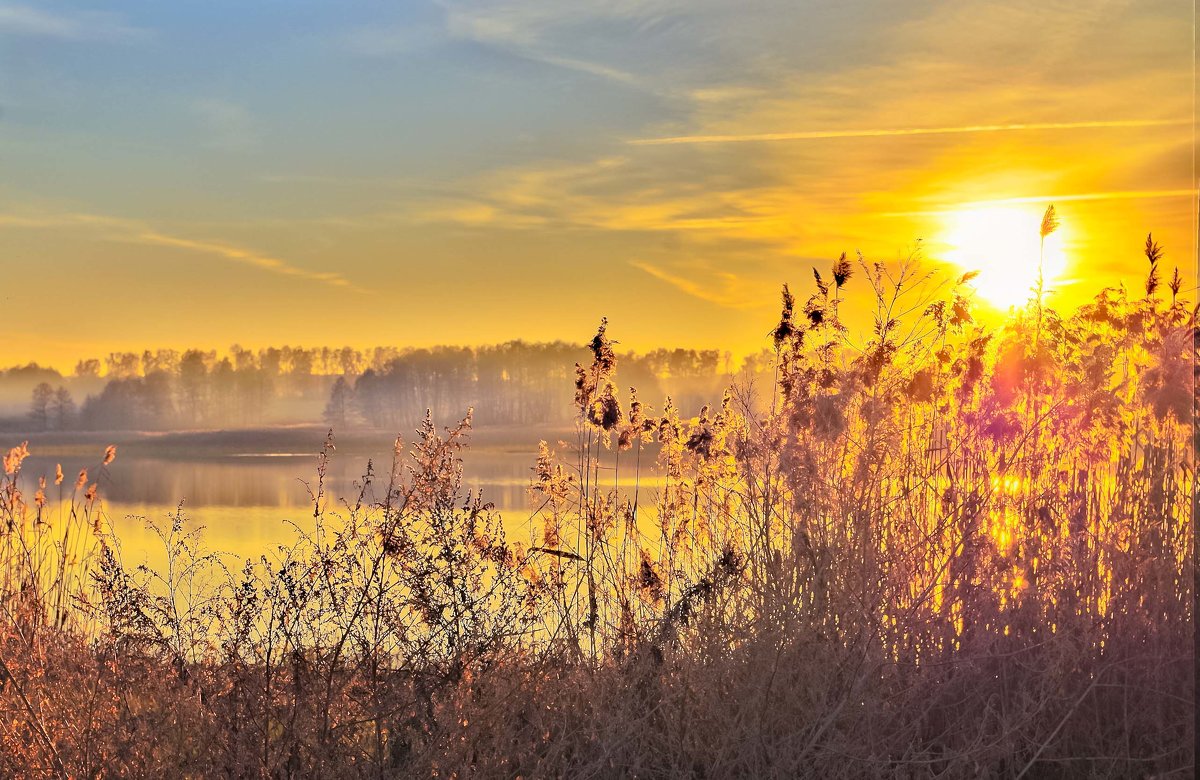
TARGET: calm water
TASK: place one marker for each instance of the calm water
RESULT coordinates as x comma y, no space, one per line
248,497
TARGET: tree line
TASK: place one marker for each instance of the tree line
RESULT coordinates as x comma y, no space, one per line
384,387
514,383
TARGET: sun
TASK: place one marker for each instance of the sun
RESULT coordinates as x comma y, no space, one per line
1003,243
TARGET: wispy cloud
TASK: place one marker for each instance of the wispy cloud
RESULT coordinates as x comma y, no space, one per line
723,288
230,126
39,22
525,31
1042,199
239,255
135,232
583,66
512,31
606,194
888,132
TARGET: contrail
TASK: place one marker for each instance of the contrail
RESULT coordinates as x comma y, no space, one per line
820,134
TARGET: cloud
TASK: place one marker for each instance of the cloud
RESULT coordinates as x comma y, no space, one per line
614,194
239,255
891,132
26,20
135,232
723,289
929,72
1041,199
582,66
230,126
536,31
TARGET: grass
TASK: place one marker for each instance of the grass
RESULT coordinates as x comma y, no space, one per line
944,551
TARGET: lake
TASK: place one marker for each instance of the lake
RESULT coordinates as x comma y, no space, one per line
247,488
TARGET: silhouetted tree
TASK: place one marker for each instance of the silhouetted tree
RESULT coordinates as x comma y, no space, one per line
39,409
62,409
89,368
193,385
339,403
512,383
124,365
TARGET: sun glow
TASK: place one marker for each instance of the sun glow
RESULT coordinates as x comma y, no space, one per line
1004,244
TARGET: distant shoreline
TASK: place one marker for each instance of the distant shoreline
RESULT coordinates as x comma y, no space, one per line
277,438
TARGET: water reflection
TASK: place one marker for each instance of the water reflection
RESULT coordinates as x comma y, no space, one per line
251,502
278,481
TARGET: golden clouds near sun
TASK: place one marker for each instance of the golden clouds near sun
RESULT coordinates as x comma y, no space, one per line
1004,244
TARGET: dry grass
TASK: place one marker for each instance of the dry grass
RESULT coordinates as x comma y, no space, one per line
944,552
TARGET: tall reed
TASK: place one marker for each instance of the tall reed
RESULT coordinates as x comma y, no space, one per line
939,550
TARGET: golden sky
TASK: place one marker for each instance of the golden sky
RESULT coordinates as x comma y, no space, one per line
464,172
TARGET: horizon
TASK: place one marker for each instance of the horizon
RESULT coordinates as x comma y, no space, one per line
986,314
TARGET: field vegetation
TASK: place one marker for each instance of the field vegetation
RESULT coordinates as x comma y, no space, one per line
939,550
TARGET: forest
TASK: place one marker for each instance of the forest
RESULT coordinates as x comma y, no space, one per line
381,388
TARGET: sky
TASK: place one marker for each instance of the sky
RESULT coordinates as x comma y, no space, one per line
323,173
